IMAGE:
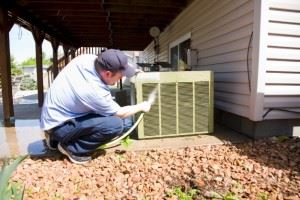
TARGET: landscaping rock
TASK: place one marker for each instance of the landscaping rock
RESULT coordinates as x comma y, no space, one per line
262,169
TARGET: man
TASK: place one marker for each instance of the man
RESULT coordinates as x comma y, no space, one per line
79,113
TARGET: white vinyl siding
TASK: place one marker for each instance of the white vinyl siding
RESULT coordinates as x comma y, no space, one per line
148,55
220,31
282,90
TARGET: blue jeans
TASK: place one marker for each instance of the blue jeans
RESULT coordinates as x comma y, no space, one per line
85,134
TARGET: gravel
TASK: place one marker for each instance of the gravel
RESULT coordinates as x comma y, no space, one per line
261,169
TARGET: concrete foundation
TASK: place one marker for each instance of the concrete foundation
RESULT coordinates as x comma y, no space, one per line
260,129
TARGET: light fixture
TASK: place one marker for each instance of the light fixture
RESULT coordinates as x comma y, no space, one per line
154,32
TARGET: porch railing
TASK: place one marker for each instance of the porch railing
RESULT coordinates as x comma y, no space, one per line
62,60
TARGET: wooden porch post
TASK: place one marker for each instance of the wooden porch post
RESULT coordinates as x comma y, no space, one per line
39,37
8,107
66,53
73,53
55,45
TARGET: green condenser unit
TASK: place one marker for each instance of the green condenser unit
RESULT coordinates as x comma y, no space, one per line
184,103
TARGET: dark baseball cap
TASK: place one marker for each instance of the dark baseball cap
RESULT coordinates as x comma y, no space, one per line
116,60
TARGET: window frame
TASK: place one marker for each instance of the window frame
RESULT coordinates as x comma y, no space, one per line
177,42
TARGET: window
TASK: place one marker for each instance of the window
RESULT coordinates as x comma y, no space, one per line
174,57
178,52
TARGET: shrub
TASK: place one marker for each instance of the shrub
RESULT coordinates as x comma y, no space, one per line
28,83
10,190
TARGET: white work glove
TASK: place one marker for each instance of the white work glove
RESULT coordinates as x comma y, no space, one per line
145,106
137,70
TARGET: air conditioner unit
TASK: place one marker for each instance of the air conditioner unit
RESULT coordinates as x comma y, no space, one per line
184,103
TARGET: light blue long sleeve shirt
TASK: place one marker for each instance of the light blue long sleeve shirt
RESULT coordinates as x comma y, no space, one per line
77,90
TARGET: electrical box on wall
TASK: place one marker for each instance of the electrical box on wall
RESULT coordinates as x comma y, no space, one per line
192,57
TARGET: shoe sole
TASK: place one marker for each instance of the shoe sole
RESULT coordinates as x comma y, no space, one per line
47,138
66,154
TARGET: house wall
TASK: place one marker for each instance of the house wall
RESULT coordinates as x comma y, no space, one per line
221,32
147,56
282,87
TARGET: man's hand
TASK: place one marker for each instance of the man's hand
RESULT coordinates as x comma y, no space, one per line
137,70
127,111
145,106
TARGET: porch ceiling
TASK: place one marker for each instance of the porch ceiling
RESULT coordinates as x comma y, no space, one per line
122,24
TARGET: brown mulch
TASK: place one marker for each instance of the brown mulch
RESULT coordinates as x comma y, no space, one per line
262,169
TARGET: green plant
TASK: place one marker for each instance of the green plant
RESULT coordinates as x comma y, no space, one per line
32,61
29,192
126,142
282,138
120,157
15,70
58,197
263,196
29,62
28,83
181,195
10,190
230,196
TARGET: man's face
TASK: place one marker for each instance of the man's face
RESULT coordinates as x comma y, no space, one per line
113,78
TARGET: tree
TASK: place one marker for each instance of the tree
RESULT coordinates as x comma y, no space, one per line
29,62
14,69
46,61
32,61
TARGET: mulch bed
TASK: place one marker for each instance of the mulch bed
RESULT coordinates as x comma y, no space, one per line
262,169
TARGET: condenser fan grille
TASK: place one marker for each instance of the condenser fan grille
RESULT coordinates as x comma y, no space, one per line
151,120
201,106
168,108
182,107
185,107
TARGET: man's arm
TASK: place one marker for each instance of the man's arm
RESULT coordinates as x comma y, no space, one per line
127,111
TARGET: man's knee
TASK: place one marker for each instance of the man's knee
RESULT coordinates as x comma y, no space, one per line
115,125
119,125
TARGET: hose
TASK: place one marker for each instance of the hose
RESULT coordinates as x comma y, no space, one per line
118,139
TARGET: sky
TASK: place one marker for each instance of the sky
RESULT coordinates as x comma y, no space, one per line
22,45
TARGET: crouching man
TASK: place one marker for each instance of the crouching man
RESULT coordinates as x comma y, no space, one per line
79,113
